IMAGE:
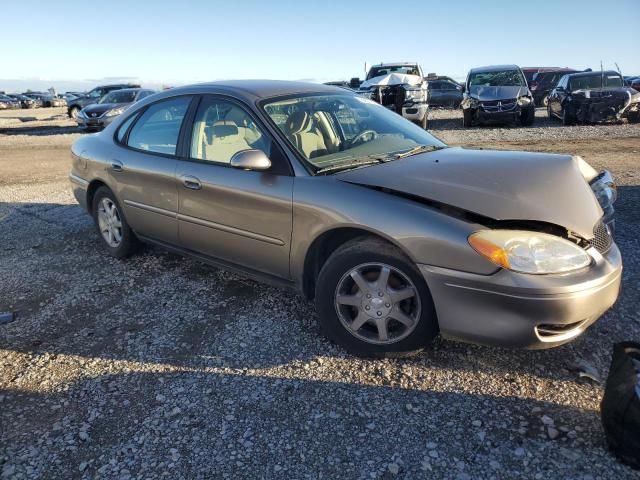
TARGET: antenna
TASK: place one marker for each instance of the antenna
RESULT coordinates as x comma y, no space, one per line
619,71
601,75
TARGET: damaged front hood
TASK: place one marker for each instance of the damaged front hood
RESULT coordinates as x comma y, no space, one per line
483,93
496,184
392,79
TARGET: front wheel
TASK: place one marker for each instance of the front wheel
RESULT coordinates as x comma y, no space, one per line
567,117
374,302
423,122
73,112
467,117
528,116
634,117
116,235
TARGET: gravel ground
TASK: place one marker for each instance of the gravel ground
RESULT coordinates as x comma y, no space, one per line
160,367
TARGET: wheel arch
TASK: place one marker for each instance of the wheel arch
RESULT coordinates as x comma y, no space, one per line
92,188
326,243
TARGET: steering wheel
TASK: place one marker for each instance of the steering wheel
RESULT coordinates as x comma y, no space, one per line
362,137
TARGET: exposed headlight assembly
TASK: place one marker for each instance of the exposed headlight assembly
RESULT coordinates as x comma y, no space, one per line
365,93
415,95
605,189
524,101
529,252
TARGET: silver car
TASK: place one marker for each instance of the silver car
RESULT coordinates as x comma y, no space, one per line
396,236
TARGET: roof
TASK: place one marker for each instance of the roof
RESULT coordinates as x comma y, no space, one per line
494,68
592,74
257,89
395,64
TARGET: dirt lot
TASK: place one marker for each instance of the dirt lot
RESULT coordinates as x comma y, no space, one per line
158,366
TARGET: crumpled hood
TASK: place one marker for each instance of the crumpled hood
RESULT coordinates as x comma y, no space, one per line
392,79
497,93
501,185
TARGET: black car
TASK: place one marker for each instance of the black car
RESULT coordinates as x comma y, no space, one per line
77,104
25,102
444,93
98,115
46,99
543,82
593,97
497,94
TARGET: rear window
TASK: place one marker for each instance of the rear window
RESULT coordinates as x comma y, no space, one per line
158,127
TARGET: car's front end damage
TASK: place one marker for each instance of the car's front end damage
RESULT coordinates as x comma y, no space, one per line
404,94
552,267
604,104
503,105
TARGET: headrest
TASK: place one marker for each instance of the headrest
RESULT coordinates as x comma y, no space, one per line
224,130
297,122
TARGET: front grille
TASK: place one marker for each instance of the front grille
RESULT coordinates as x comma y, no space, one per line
499,105
601,238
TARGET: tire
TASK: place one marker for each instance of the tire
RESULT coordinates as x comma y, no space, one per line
549,114
567,118
528,116
467,116
424,121
370,257
634,117
128,242
73,111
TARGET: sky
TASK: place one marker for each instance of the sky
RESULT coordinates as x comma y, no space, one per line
79,44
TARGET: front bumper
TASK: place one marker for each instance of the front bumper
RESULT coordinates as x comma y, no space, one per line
415,112
524,311
91,123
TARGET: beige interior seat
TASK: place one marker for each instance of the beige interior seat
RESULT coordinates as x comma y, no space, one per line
224,142
303,133
331,140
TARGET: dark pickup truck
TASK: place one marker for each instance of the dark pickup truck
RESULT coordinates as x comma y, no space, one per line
93,96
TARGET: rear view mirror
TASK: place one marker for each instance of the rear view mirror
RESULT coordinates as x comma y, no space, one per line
251,160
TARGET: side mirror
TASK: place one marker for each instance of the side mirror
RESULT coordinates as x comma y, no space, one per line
251,160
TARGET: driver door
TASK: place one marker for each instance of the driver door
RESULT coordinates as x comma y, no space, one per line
238,216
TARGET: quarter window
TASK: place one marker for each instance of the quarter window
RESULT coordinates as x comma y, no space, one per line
221,129
158,128
122,131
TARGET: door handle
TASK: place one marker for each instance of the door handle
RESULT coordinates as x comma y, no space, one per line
116,165
191,182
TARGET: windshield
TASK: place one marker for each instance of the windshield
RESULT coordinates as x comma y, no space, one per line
501,78
119,96
334,131
595,81
404,69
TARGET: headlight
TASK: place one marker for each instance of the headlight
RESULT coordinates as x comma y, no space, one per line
529,252
115,111
415,95
472,102
365,93
605,190
524,101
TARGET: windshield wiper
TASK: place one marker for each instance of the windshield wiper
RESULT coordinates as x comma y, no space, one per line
349,166
415,151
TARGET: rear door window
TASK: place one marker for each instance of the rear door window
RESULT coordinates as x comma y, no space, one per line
158,128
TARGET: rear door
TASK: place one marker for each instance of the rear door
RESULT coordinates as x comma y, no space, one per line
143,169
238,216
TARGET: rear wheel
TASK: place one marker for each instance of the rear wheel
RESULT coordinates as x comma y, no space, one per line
373,301
467,116
116,235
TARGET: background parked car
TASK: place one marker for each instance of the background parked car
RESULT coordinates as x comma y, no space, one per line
93,96
98,115
6,102
47,99
444,93
593,97
543,82
635,83
497,94
25,102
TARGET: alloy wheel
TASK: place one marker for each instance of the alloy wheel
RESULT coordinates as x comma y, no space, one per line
109,222
377,303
